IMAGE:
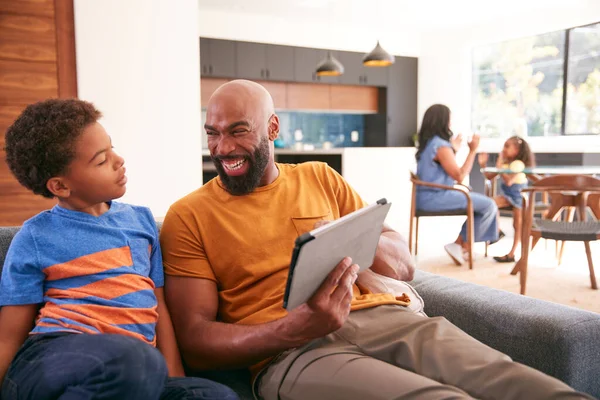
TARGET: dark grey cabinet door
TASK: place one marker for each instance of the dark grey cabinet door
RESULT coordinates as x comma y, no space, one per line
321,55
402,101
204,56
305,64
377,76
222,58
280,63
353,68
251,60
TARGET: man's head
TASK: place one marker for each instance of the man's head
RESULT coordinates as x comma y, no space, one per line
241,126
56,148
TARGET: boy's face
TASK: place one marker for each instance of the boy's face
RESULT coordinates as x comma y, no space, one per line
97,174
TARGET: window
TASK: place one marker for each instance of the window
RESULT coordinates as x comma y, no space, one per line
583,83
519,86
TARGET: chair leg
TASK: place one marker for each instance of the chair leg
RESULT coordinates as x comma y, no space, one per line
416,236
410,234
471,238
588,251
486,249
560,253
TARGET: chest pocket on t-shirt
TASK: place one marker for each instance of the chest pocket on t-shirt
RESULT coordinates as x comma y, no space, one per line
140,254
307,223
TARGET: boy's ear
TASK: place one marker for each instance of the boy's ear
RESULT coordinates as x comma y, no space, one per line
58,187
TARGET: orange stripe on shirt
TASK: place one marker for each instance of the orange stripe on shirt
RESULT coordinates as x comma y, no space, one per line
102,318
108,288
90,264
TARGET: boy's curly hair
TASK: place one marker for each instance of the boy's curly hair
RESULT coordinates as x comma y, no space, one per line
40,144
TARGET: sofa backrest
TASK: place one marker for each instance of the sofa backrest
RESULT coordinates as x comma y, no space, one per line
6,236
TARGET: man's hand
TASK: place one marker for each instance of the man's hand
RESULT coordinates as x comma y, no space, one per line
327,310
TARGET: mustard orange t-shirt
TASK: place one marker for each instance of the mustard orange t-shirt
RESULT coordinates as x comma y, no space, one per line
244,243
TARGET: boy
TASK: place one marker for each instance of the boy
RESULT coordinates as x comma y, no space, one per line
88,271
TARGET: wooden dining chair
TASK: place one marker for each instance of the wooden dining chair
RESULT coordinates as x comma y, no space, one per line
491,190
578,187
415,213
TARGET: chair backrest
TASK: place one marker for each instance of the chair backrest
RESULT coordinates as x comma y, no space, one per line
569,182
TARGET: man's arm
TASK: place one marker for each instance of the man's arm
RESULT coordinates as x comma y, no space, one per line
392,257
208,344
15,324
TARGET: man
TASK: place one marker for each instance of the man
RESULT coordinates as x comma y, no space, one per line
227,248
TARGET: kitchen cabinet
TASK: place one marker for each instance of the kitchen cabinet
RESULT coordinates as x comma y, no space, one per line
402,101
217,58
305,65
264,61
357,74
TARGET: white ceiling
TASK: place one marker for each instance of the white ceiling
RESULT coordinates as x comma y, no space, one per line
420,15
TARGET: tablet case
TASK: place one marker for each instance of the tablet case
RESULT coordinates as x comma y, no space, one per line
319,251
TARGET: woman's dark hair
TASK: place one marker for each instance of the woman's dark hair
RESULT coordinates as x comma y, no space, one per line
436,122
40,144
525,154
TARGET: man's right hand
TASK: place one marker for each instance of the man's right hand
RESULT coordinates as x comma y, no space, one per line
327,310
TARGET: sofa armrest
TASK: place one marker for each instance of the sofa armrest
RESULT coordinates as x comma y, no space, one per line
558,340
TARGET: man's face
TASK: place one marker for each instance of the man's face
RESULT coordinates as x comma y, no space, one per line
239,145
97,174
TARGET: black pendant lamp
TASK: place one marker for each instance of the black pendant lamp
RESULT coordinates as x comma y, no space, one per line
378,57
330,66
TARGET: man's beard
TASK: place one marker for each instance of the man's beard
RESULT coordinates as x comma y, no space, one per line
257,164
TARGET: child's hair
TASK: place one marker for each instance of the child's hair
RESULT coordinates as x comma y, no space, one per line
436,122
525,154
40,144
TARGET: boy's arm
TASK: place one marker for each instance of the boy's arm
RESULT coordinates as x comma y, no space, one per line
15,324
165,337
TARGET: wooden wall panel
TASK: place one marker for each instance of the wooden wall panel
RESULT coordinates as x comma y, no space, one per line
65,48
37,61
208,87
26,82
308,96
28,7
27,38
278,91
357,98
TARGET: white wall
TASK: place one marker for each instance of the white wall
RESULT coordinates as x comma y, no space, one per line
319,31
138,62
445,61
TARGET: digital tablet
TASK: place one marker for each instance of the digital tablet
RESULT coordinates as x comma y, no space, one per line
319,251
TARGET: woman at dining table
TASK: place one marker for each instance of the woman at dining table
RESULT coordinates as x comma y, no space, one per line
436,163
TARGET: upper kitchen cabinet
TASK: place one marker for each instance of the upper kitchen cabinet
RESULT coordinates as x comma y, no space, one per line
353,68
217,58
402,101
305,65
280,63
251,60
264,61
376,76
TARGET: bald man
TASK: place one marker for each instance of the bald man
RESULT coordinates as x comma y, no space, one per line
226,251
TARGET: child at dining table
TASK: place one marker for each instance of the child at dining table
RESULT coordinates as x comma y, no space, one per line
516,156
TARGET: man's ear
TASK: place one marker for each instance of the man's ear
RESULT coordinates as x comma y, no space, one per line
273,127
58,187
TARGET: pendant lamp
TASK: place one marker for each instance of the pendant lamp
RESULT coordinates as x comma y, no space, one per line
378,57
330,66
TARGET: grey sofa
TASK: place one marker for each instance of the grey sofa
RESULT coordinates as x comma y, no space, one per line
558,340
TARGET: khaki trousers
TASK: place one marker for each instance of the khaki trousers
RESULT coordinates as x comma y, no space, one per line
389,353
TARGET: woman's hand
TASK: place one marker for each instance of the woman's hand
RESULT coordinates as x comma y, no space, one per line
456,141
474,143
